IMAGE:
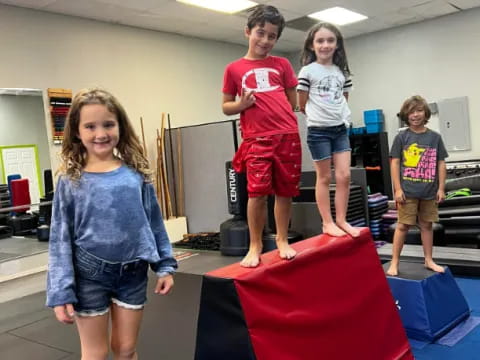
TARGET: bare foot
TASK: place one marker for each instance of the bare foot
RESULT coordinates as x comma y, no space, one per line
349,229
285,250
252,259
392,270
432,266
333,230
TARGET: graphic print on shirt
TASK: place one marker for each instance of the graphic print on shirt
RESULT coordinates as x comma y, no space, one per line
261,76
420,163
330,89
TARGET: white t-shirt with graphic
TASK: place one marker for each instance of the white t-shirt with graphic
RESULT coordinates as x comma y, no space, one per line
326,105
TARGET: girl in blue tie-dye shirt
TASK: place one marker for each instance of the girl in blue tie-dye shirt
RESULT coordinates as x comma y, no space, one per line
106,229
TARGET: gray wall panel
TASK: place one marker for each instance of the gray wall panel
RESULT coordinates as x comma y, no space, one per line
205,149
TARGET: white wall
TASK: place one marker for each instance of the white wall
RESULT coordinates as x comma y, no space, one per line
150,72
437,59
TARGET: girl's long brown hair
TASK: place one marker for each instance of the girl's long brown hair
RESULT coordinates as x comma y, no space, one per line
339,56
74,154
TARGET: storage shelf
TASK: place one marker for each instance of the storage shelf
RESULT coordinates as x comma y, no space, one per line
60,101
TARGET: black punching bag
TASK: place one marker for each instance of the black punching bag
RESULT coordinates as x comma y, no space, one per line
236,191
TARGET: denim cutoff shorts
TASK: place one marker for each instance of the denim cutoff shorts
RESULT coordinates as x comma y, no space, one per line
100,282
325,141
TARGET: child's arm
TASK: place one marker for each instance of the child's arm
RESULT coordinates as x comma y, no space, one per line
399,196
292,97
60,276
442,176
302,99
167,264
230,106
346,95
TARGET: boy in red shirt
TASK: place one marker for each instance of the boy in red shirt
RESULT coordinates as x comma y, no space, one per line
261,88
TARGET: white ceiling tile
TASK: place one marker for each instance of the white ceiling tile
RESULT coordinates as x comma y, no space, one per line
301,7
33,4
465,4
139,5
90,9
401,17
174,17
375,7
434,8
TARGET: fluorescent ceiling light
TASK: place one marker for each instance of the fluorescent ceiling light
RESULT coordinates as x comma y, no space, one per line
226,6
338,15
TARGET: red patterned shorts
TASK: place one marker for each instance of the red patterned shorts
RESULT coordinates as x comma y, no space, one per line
273,164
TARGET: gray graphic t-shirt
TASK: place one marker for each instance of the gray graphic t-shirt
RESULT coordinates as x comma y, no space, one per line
419,154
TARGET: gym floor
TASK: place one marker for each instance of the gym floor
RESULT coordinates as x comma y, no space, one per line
28,330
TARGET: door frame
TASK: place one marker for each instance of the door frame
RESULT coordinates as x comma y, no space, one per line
37,163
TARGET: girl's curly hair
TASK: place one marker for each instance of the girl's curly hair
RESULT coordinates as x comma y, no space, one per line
74,154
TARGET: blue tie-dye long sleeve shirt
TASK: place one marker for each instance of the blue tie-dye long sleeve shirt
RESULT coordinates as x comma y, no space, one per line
114,216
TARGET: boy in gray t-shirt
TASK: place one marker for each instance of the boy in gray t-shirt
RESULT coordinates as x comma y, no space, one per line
418,176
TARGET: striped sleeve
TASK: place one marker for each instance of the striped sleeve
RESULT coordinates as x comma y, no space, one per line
303,80
348,85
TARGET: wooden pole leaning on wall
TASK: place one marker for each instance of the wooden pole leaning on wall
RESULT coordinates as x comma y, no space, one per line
181,206
158,175
166,191
172,161
143,139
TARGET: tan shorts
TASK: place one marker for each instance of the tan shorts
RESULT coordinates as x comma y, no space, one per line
426,210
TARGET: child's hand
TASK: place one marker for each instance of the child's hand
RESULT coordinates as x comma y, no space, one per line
440,196
164,285
247,99
64,313
400,196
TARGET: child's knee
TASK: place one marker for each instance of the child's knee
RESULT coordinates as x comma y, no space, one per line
402,227
342,177
425,225
324,179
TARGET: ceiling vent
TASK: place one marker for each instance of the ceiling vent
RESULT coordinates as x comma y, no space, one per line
303,23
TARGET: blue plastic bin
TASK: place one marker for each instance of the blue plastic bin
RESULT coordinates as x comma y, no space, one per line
374,128
373,116
359,130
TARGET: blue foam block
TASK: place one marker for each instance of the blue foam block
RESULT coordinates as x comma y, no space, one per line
430,304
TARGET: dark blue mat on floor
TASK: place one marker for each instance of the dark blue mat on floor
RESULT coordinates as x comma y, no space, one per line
466,348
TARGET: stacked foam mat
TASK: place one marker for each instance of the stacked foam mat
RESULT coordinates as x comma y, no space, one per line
5,231
377,206
460,217
306,218
388,219
355,212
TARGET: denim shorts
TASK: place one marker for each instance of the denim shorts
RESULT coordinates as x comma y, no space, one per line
100,282
325,141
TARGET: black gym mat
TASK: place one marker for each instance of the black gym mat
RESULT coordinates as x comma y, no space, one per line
459,211
461,201
461,220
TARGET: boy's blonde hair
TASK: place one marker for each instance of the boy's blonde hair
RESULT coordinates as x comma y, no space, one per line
409,106
74,154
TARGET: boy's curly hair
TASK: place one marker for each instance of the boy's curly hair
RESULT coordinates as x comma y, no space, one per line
410,105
